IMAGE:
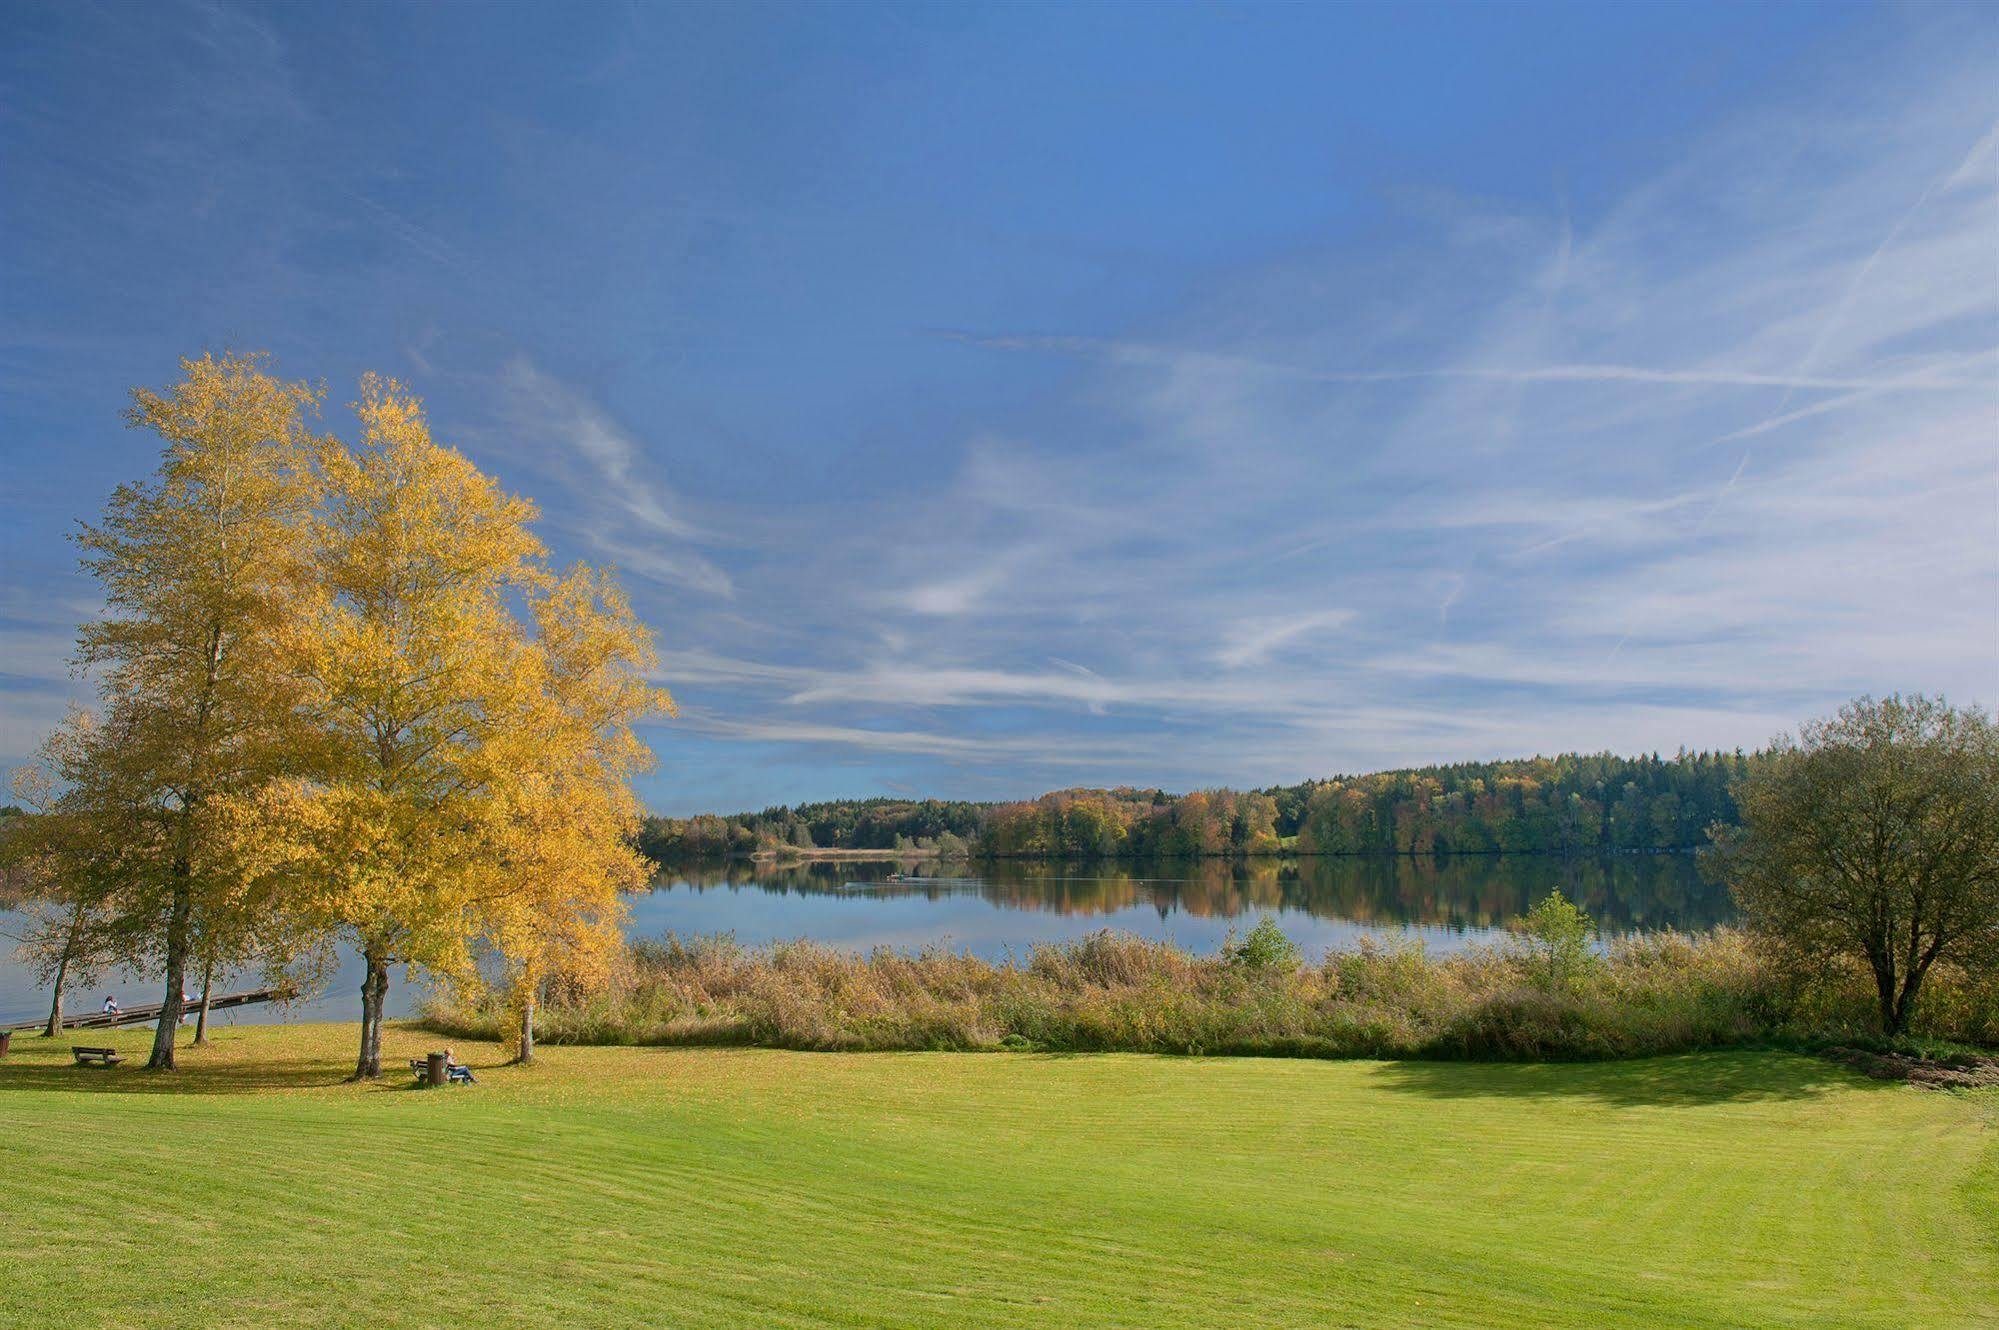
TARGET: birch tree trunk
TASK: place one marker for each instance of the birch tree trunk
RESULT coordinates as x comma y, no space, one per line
525,1055
172,1008
207,992
374,995
71,940
55,1002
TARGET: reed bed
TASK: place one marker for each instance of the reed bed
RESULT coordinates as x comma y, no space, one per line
1114,992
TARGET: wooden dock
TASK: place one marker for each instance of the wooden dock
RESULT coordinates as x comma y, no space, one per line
147,1012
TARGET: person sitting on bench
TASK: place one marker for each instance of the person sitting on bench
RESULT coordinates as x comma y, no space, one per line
455,1072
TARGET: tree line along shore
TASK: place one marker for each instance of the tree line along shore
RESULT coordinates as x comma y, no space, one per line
1862,854
1572,803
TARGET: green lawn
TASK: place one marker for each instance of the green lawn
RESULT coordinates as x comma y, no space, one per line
616,1187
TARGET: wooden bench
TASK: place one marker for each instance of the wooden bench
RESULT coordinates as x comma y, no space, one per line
455,1073
95,1057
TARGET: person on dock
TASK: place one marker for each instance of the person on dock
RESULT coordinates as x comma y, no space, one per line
110,1005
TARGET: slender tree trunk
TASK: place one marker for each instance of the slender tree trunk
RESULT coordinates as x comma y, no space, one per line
180,915
55,1002
69,945
526,1051
171,1009
207,992
374,994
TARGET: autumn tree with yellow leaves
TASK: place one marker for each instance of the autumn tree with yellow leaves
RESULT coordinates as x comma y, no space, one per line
472,712
198,567
571,819
342,698
411,665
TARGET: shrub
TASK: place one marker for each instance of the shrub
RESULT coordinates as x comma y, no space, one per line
1557,935
1264,948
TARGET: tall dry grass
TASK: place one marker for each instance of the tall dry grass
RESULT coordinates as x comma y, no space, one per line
1108,991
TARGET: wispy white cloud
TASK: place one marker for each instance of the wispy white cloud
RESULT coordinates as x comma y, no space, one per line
1256,640
1927,379
617,457
960,594
1684,460
681,567
1517,500
656,532
923,685
1055,749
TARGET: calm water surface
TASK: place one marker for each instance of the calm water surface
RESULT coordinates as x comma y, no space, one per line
1001,909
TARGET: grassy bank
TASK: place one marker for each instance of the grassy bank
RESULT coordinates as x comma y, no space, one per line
620,1186
1118,993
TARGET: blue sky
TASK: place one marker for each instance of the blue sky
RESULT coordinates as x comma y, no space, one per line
981,400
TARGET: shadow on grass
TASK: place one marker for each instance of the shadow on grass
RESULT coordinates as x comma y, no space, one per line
193,1077
234,1065
1681,1079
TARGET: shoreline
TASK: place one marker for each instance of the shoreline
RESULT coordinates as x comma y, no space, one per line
794,854
835,855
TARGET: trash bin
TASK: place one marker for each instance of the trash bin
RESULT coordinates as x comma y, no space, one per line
6,1038
438,1068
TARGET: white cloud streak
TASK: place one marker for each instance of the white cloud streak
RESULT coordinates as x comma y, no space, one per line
1509,487
1929,379
652,537
1256,640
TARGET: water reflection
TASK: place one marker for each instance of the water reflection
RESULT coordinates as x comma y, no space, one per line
1466,897
1007,908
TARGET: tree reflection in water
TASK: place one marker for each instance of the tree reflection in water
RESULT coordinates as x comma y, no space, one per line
1622,893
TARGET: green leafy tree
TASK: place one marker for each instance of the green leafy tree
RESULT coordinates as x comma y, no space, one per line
1557,933
1875,836
1265,949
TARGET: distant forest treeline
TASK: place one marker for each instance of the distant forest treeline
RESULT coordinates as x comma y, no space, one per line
1575,803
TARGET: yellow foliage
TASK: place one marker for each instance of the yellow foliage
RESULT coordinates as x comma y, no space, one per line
198,566
473,765
569,817
345,696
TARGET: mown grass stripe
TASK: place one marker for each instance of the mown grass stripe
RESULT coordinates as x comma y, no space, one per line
718,1187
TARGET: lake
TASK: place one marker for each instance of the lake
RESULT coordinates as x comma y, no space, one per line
995,910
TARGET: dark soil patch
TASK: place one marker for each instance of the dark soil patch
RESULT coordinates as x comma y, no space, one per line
1955,1074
